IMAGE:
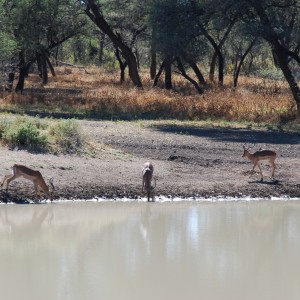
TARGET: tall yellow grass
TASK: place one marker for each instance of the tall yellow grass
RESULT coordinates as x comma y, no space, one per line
97,92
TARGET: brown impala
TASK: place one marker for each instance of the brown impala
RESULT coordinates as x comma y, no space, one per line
258,156
32,175
147,178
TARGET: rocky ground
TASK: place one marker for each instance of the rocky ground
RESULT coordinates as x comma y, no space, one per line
189,161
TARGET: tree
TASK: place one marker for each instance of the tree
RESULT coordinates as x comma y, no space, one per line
174,28
37,27
93,11
277,22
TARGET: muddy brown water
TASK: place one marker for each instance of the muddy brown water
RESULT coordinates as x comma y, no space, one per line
137,250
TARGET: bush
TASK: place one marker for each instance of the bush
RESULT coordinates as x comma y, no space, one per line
24,134
65,136
35,134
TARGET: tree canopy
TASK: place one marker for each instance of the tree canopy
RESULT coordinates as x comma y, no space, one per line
230,36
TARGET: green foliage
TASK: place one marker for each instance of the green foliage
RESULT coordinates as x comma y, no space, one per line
34,134
65,136
174,26
23,133
274,74
8,46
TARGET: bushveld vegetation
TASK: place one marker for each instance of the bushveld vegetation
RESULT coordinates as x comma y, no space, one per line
168,59
42,135
95,93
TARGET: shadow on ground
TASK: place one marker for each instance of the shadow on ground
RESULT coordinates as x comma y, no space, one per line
272,182
234,135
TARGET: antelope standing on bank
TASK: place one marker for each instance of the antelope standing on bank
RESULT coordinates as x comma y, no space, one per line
258,156
32,175
147,178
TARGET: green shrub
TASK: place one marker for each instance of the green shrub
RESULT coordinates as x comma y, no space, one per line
34,134
24,134
65,136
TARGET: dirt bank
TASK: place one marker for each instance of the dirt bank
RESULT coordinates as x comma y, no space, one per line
189,160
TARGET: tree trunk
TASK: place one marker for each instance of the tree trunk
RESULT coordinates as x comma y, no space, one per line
101,48
44,69
168,74
152,64
161,68
282,60
93,12
39,65
122,64
219,54
50,66
238,69
22,74
213,67
215,55
196,70
183,73
23,70
10,81
280,52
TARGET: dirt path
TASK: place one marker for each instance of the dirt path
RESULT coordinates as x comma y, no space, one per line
189,161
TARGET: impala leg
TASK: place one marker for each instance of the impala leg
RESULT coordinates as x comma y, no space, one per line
261,174
4,179
252,172
274,167
36,188
9,179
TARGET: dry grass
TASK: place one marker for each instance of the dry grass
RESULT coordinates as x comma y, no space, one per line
97,93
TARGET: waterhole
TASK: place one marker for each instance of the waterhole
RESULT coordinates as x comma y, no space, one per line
137,250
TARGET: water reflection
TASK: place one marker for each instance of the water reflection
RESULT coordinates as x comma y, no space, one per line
137,250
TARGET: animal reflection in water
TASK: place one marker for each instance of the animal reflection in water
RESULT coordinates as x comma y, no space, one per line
35,219
147,174
32,175
258,156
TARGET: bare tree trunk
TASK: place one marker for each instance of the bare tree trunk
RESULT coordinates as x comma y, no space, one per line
195,68
183,73
122,64
10,82
238,68
168,74
161,68
282,60
50,66
152,64
101,48
213,67
23,72
93,12
219,54
39,65
215,55
44,69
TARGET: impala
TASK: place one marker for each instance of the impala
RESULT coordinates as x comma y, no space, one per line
147,178
258,156
32,175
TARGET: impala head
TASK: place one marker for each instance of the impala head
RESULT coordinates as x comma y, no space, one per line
246,150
